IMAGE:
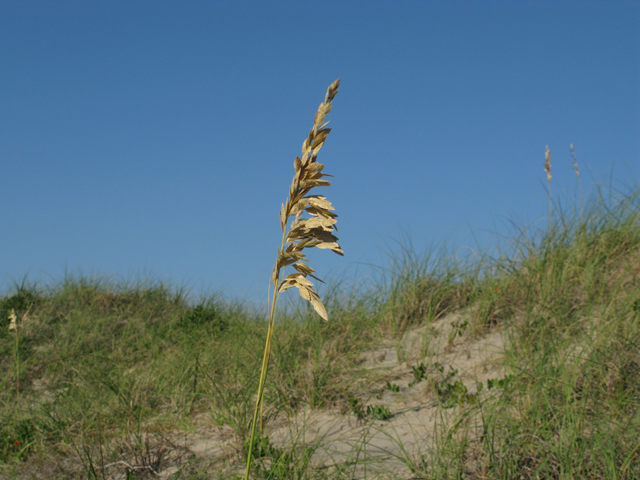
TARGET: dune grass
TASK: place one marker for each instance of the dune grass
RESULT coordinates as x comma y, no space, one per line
105,379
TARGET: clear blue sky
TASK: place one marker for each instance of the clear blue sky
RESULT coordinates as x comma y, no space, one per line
158,138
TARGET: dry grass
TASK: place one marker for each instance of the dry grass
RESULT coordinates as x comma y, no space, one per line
316,231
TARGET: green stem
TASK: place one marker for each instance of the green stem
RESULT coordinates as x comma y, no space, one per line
17,360
265,365
550,211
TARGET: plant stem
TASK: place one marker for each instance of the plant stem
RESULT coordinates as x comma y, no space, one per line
265,364
17,361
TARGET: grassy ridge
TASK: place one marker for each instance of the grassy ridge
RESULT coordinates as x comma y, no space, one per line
98,376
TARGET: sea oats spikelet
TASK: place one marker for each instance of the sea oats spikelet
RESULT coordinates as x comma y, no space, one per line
316,231
547,163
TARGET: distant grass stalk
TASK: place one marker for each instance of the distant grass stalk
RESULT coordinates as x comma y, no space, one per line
13,326
575,166
316,231
547,169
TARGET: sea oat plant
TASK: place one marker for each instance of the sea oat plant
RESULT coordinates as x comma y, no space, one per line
575,166
316,231
547,169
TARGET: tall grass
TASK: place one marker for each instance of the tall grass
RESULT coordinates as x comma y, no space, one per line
574,348
316,231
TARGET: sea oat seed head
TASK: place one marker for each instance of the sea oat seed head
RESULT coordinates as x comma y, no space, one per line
575,160
547,163
317,230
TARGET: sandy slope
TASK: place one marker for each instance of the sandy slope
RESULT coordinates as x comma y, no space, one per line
383,449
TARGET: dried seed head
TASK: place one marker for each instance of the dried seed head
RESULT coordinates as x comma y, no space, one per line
315,231
575,161
547,163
